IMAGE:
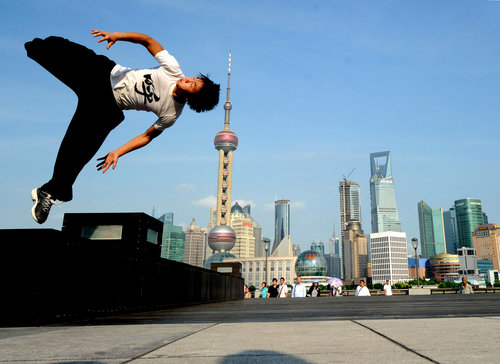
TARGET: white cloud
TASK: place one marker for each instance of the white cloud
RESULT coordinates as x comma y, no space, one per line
298,205
209,201
244,203
186,186
269,206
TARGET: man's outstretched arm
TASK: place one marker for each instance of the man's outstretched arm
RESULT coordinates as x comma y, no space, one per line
111,37
138,142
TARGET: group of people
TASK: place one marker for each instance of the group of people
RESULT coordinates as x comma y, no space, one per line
299,289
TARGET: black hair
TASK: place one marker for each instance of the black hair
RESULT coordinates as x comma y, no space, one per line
282,278
207,98
274,279
264,283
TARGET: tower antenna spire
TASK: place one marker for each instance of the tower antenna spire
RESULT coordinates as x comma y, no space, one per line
227,104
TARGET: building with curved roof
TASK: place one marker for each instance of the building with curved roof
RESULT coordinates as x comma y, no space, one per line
444,266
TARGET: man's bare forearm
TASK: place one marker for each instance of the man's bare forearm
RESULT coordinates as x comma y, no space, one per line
138,142
111,37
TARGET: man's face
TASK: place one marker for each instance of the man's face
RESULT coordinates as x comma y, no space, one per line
282,281
386,282
464,281
275,283
362,283
190,85
299,280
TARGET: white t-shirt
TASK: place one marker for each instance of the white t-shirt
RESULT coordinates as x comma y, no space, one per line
299,290
362,291
282,290
149,89
387,289
337,292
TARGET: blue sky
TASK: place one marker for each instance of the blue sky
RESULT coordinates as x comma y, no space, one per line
316,87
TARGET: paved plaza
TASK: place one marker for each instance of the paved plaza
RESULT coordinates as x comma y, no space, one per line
409,329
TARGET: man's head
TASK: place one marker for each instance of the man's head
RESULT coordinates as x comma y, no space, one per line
299,279
464,281
362,283
282,280
200,93
386,282
275,281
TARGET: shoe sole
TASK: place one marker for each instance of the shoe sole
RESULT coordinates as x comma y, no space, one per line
34,197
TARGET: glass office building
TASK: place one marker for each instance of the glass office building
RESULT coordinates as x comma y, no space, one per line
384,211
469,216
281,221
432,234
350,203
173,242
450,231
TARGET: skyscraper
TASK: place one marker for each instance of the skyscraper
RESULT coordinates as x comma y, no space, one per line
222,237
243,227
350,203
354,252
194,250
389,257
486,240
469,216
384,210
432,233
173,239
257,232
451,231
281,221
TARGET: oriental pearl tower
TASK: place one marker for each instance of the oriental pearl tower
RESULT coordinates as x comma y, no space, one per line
222,237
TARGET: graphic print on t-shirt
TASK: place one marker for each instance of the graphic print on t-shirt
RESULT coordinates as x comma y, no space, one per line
148,90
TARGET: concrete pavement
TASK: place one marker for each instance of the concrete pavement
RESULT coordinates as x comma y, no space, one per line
350,329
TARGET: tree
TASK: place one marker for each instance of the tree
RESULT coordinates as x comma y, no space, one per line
378,286
497,283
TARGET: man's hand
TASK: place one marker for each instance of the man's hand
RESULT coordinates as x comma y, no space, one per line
111,159
152,45
110,37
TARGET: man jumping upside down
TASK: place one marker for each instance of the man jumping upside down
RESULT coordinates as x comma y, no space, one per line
104,89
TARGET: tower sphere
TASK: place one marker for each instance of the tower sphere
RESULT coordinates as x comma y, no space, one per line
311,263
221,238
226,140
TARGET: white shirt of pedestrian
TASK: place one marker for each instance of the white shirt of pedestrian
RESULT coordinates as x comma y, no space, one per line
299,290
283,290
362,291
387,289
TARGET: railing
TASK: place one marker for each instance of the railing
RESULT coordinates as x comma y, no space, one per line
402,292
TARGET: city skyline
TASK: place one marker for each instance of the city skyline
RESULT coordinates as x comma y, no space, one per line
381,82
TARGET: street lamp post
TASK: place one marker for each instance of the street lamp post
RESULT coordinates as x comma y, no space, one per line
266,247
414,242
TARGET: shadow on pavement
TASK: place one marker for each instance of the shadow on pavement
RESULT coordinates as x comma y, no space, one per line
262,356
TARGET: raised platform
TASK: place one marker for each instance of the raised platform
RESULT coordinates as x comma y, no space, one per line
303,330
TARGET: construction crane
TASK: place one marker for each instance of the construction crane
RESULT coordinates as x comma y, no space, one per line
346,177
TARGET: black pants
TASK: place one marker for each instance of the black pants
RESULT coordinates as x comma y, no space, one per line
97,113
